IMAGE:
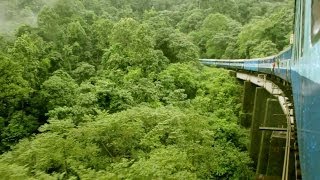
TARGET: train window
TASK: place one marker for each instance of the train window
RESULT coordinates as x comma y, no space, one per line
315,21
302,22
296,31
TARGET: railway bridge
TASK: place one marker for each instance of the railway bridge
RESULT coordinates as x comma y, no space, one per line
268,114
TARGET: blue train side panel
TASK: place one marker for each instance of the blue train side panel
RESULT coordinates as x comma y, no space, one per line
306,92
251,65
266,65
305,76
278,65
282,65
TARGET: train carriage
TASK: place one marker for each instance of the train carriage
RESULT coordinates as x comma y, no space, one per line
300,66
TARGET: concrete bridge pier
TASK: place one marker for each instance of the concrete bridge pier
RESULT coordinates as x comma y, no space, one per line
247,104
274,117
259,109
263,116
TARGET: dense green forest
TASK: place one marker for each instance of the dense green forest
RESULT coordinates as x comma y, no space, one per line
112,89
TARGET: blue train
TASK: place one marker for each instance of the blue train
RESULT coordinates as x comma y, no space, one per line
278,65
300,66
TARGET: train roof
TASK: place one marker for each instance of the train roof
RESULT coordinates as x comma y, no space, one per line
248,60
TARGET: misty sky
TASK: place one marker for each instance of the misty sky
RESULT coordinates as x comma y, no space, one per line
12,17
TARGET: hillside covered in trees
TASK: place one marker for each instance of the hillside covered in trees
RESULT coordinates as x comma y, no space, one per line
112,89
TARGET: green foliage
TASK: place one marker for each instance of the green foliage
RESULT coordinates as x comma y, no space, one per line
138,143
192,22
19,125
83,72
216,32
49,25
27,51
265,48
14,95
222,36
14,88
181,76
59,90
101,35
176,46
133,46
266,33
